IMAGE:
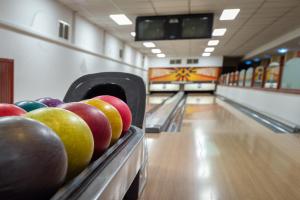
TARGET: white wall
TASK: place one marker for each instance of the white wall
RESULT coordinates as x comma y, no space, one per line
46,65
49,69
281,106
146,62
88,36
129,54
112,46
138,59
212,61
40,15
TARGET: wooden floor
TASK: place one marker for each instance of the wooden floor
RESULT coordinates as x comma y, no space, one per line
155,99
222,154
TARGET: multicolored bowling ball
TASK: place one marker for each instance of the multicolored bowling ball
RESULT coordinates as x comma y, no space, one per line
122,107
10,110
50,102
30,105
33,160
74,133
112,115
97,122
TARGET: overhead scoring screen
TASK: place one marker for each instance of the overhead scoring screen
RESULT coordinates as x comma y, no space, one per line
195,26
151,29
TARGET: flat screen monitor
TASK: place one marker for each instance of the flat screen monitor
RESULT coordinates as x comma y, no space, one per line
174,27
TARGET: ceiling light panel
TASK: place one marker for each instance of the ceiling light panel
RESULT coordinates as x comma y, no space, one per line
213,42
229,14
121,19
149,44
155,50
219,32
209,49
206,54
132,34
161,55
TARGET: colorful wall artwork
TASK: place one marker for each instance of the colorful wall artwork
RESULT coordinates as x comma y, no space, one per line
184,74
242,77
272,72
258,76
291,71
248,78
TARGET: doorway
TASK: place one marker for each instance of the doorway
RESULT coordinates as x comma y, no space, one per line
6,80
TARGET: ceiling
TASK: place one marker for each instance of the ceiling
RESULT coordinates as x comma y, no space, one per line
259,22
292,46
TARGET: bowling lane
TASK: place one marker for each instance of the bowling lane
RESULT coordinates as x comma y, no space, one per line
221,153
156,99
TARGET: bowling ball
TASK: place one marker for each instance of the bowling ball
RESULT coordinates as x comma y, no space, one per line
10,110
112,115
50,102
123,109
43,98
97,122
74,133
33,160
30,105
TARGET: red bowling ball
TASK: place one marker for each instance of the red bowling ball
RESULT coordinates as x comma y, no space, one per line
123,109
97,122
10,110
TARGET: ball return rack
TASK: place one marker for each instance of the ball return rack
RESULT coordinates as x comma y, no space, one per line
121,172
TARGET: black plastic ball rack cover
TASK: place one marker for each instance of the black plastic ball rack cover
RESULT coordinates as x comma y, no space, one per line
128,87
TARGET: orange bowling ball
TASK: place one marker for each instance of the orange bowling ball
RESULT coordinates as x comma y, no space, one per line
113,116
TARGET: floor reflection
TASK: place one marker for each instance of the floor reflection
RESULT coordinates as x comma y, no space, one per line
222,154
201,100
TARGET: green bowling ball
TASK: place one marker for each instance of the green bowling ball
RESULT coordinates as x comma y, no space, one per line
30,105
74,133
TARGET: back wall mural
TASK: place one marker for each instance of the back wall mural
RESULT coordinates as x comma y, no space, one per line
184,74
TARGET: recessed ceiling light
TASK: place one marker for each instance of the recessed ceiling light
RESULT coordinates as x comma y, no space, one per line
282,50
209,49
248,62
213,42
132,34
229,14
149,44
155,50
161,55
219,32
121,19
206,54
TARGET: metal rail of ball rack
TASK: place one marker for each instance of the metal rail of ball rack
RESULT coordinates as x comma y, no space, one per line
102,178
160,119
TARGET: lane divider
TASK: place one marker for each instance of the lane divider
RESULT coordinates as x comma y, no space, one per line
274,125
158,120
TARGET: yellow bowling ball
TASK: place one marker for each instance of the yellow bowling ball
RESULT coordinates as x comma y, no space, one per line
112,115
74,133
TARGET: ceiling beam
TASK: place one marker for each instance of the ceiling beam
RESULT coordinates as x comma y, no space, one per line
275,43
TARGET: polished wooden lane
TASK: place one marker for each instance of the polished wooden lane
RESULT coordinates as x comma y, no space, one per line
156,99
222,154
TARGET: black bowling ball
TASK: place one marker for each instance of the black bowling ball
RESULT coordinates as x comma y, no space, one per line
33,160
